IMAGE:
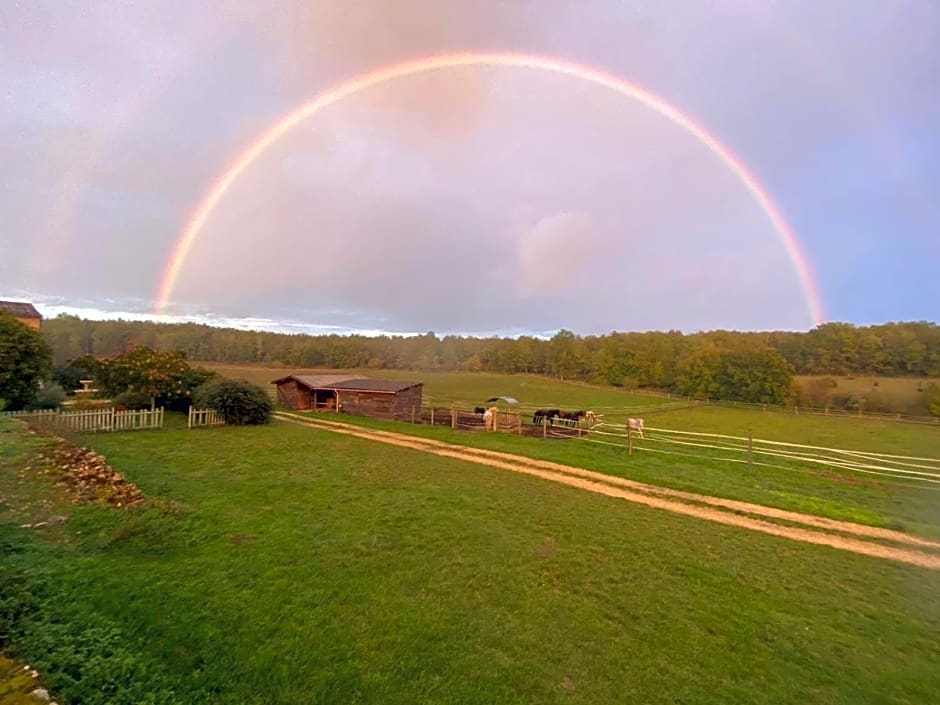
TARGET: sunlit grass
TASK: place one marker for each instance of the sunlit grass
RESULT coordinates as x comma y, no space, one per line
283,564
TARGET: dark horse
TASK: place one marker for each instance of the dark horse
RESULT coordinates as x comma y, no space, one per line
540,414
479,410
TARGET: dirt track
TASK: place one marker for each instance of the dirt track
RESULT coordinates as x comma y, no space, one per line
846,536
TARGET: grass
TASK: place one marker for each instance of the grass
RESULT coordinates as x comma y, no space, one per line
531,390
282,564
830,492
902,393
835,432
474,387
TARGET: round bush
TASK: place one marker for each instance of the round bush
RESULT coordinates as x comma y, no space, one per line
49,397
132,400
239,402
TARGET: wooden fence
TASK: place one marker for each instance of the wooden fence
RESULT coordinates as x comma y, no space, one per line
92,420
199,418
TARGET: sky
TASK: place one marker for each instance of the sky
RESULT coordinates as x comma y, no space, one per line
486,199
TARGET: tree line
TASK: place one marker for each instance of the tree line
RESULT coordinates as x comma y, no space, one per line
650,359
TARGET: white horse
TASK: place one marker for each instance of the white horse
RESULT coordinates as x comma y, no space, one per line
636,425
592,418
489,418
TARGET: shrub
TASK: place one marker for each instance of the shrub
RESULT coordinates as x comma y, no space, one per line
49,397
239,402
132,400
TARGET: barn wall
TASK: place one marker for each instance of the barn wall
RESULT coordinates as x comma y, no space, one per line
293,395
374,404
406,400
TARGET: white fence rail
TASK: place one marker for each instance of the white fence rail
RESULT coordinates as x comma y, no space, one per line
673,402
199,418
93,420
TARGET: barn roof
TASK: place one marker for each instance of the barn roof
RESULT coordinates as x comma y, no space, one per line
19,309
371,385
347,383
315,381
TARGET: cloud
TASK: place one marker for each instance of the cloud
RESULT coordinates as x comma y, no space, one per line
554,255
406,206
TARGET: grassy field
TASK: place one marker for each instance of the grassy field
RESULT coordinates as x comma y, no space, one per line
837,432
282,564
474,387
826,491
531,390
834,493
902,394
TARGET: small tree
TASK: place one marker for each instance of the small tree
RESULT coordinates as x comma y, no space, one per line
156,374
25,360
70,374
239,402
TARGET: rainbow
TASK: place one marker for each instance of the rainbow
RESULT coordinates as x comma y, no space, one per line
442,62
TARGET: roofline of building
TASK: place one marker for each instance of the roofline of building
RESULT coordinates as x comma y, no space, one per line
338,387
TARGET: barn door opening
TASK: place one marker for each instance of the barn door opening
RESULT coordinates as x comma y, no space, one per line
324,400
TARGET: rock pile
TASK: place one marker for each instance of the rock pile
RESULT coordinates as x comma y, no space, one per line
88,475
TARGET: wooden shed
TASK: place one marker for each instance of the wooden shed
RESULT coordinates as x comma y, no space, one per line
379,398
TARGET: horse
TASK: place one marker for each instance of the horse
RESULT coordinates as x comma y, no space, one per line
489,418
636,425
479,410
574,417
542,414
591,417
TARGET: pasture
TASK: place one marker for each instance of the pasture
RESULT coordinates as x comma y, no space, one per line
833,492
472,387
290,565
904,394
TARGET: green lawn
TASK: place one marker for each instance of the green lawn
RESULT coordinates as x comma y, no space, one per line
475,387
903,393
838,494
831,431
286,565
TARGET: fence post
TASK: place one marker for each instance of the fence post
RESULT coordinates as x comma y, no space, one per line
519,422
432,415
544,427
412,413
750,450
453,416
189,417
629,439
495,419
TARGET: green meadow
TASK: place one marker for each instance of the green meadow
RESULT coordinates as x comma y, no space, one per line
289,565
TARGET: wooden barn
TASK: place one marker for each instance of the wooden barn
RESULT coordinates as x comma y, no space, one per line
379,398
